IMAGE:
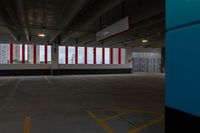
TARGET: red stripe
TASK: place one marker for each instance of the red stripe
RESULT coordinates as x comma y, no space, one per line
76,55
85,51
45,54
111,55
66,54
23,53
11,53
103,55
95,53
34,54
119,55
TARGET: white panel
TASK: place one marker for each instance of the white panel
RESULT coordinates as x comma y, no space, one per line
90,55
71,55
123,56
42,56
107,55
81,58
115,55
99,55
62,51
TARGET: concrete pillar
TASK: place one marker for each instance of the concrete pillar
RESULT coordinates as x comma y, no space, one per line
129,57
54,58
182,65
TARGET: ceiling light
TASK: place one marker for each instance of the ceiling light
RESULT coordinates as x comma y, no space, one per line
144,41
41,35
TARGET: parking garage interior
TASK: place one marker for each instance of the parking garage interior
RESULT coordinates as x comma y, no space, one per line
91,66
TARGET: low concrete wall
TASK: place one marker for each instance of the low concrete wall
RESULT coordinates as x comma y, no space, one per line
46,69
62,66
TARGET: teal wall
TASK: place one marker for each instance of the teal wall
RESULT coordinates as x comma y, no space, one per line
183,55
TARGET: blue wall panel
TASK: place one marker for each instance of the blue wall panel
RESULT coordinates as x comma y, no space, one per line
183,69
179,12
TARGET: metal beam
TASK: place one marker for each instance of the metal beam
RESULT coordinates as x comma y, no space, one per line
22,16
100,7
6,19
69,16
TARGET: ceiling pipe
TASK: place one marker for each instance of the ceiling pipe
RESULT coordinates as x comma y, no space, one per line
94,12
76,7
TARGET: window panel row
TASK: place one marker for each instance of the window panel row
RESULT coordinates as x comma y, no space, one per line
91,55
41,54
25,54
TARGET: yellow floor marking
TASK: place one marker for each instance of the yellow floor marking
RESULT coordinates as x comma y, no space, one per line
129,112
48,81
101,122
5,82
148,124
118,115
27,124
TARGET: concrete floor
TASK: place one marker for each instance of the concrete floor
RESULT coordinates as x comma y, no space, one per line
82,104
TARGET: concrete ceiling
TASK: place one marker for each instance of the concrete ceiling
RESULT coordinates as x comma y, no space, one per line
75,22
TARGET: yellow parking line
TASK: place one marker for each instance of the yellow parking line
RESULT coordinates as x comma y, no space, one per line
101,122
118,115
5,82
27,124
48,81
135,130
129,112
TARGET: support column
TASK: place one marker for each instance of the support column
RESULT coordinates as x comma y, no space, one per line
95,53
103,55
85,51
23,53
66,55
119,56
76,55
54,58
182,66
111,55
11,53
129,58
34,54
46,54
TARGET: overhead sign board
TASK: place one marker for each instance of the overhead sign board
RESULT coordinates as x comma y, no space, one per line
114,29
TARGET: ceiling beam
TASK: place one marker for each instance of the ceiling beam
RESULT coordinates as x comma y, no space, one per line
69,16
5,16
23,17
94,12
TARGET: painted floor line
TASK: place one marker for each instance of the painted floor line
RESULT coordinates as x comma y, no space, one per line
48,81
101,122
129,112
117,115
7,80
146,125
27,124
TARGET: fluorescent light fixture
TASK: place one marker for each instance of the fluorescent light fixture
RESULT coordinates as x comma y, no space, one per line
106,33
41,35
144,41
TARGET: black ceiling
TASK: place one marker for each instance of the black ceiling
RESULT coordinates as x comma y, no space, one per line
75,22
